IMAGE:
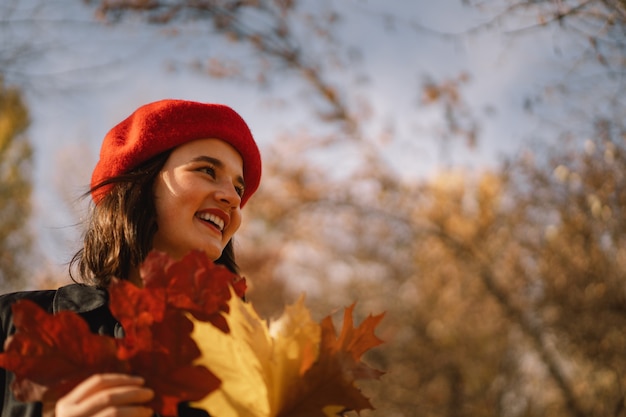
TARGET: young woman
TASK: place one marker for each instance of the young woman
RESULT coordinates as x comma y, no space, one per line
173,177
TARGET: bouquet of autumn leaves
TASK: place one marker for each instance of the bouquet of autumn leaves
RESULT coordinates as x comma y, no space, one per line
192,338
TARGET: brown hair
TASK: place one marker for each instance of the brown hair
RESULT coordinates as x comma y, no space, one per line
122,225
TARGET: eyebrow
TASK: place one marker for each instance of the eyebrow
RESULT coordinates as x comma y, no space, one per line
218,164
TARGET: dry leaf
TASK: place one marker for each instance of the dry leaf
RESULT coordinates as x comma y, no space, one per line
240,359
186,330
50,354
328,386
193,284
295,367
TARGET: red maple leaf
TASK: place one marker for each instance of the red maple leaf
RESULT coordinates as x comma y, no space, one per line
54,352
194,284
169,369
137,310
51,354
330,380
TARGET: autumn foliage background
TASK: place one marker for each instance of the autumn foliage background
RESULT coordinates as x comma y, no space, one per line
503,287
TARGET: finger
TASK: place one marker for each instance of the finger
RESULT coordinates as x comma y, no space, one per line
101,381
125,412
111,399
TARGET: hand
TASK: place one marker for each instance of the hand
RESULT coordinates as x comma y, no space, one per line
107,395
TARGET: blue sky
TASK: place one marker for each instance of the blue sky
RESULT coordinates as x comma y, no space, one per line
86,77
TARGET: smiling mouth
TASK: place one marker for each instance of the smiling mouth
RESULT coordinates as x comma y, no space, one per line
213,219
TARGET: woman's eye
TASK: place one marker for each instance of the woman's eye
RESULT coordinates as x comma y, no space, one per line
239,190
208,170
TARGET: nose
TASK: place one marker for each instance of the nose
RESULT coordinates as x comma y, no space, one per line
227,193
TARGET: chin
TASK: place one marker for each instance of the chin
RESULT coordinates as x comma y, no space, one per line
213,253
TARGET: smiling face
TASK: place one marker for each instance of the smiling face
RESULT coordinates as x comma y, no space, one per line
197,198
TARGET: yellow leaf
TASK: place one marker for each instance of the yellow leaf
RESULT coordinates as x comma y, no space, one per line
333,410
296,346
258,365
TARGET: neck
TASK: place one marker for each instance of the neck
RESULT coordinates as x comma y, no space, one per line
135,278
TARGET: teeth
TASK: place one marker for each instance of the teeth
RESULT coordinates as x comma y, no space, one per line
213,219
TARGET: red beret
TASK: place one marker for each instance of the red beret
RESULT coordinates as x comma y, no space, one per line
163,125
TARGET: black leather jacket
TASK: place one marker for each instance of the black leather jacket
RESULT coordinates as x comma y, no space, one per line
89,302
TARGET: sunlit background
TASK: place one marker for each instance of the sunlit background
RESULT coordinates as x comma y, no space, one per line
457,164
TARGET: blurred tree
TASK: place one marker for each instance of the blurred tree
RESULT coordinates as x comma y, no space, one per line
504,292
588,41
275,31
599,22
15,188
573,262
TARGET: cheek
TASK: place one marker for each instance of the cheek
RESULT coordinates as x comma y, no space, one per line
160,202
235,222
166,204
172,194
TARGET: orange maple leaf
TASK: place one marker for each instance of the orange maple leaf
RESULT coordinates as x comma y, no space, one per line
328,385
